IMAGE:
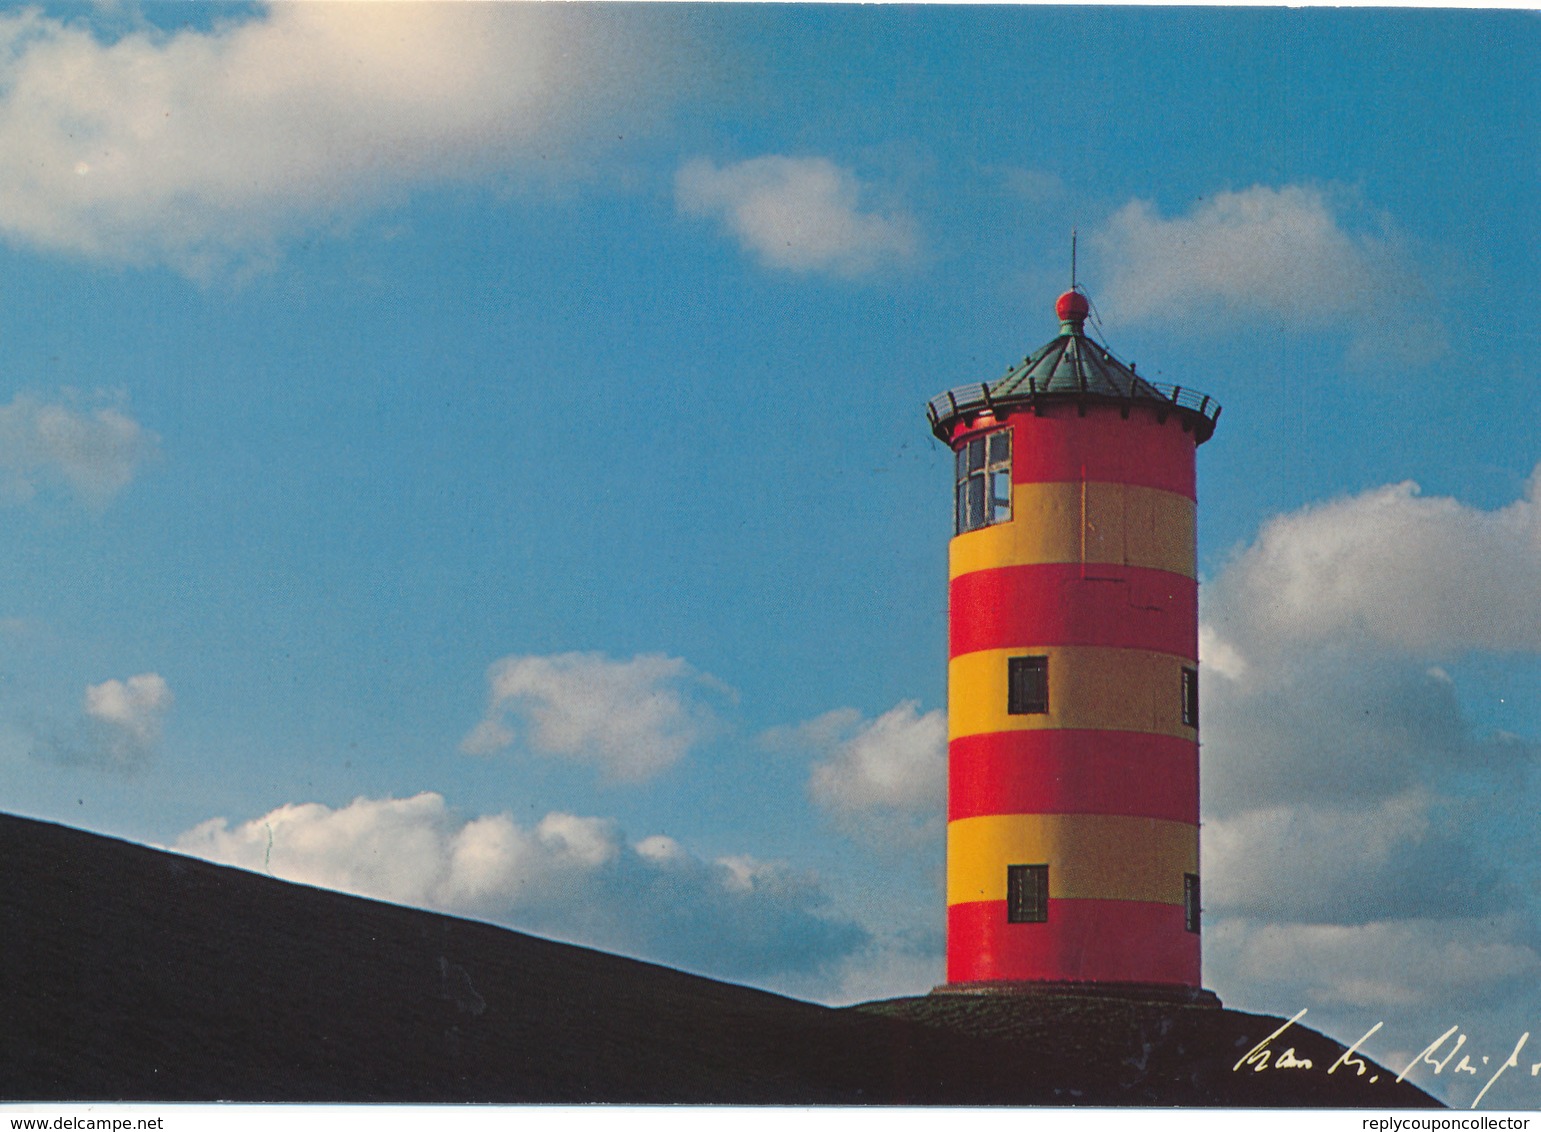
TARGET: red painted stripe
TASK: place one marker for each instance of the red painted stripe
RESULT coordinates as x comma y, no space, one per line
1058,445
1130,607
1121,941
1052,771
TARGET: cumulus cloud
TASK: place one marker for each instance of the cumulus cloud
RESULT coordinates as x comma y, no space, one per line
1405,857
197,148
134,705
1338,722
797,213
897,761
1393,566
632,718
1291,253
884,778
92,452
1381,965
119,728
1415,977
891,964
570,877
1361,829
1320,637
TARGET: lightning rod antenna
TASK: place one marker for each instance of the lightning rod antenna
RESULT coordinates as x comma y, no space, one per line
1072,259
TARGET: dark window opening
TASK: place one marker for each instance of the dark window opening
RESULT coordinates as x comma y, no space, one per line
1191,908
1027,894
1190,697
984,482
1027,685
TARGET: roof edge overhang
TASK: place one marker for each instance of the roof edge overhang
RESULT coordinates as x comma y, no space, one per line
966,403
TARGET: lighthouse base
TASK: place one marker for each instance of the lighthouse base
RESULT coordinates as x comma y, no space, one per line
1164,993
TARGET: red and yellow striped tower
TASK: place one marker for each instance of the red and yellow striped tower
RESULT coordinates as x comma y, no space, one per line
1073,792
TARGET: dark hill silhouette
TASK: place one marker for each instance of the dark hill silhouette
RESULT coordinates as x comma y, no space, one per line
135,974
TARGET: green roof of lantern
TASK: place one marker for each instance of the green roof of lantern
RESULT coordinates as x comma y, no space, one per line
1071,367
1073,363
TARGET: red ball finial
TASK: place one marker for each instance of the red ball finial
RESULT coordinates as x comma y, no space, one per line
1072,307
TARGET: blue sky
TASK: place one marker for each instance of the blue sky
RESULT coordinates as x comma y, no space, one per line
474,456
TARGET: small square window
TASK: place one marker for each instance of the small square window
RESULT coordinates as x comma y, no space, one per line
1027,685
1191,909
1190,697
1027,894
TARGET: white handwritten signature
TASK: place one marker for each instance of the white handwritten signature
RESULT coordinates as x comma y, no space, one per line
1263,1056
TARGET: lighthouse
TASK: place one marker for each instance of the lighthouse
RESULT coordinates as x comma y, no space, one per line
1073,707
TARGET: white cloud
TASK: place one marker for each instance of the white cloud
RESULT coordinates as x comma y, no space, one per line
1318,639
119,728
891,964
200,147
882,779
1280,252
1367,847
135,705
1415,977
1317,682
897,761
1325,722
1405,857
1380,965
1220,657
797,213
569,877
1392,566
633,718
93,453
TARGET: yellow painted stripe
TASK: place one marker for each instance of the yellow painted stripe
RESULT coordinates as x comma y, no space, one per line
1090,856
1100,688
1123,524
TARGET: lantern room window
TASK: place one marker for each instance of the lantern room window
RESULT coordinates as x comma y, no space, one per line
983,482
